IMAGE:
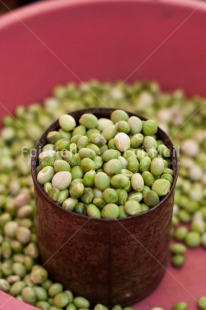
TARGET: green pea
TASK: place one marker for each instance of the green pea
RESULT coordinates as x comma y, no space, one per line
122,141
39,275
80,208
17,287
137,140
193,239
91,131
122,213
45,175
98,139
145,164
198,226
73,148
6,269
135,196
100,307
111,144
94,147
6,249
87,195
93,211
167,176
97,193
123,126
137,182
202,303
144,207
4,285
98,162
62,144
178,260
168,171
54,193
133,164
10,229
77,172
28,295
148,178
110,211
122,196
132,207
109,133
53,136
161,187
67,122
43,305
181,233
83,142
41,293
79,130
178,248
71,306
69,157
45,154
119,115
149,143
149,127
61,300
65,134
104,123
61,165
127,173
12,279
55,289
89,121
157,166
101,181
151,198
87,153
110,195
63,195
81,302
123,162
119,181
32,250
110,154
19,269
74,139
62,180
70,295
184,216
46,284
113,167
88,178
135,124
87,164
180,306
77,190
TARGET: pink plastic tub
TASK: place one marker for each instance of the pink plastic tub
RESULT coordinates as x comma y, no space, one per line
55,41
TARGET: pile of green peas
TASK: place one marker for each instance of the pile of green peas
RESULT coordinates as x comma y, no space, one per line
105,168
20,273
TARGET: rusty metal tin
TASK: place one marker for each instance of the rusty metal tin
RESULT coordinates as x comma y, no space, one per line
107,261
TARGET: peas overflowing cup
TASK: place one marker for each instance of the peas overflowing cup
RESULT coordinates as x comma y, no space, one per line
105,167
104,184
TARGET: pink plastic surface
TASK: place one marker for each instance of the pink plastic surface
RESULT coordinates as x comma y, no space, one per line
57,41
